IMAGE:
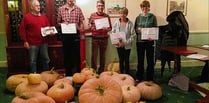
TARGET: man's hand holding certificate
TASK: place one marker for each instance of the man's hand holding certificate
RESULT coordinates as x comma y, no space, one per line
102,23
117,37
149,33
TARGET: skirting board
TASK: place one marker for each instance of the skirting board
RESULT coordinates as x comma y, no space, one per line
184,63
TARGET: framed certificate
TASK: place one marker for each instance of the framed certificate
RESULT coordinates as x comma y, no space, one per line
68,28
101,23
150,33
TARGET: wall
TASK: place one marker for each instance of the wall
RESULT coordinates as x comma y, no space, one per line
197,17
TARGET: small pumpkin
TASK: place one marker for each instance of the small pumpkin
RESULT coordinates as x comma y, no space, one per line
26,87
149,90
100,90
63,80
14,80
50,76
79,78
61,92
131,94
124,79
88,71
113,66
32,97
34,78
108,74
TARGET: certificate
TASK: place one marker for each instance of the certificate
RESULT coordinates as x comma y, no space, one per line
118,36
48,30
100,23
149,33
68,28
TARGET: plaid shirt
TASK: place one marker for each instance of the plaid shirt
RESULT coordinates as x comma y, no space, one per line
74,16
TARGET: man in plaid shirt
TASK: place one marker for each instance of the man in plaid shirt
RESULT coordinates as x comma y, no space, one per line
69,13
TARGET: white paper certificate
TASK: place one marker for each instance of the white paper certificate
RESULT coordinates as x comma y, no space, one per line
68,28
116,37
150,33
100,23
48,30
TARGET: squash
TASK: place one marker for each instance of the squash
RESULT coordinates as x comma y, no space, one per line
34,78
14,80
61,92
100,90
149,90
26,87
50,77
113,66
32,97
124,79
131,94
63,80
79,78
108,74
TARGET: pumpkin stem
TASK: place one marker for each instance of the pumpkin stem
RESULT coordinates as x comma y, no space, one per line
61,86
128,88
100,89
52,69
124,78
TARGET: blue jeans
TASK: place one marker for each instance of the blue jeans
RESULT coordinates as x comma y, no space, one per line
34,52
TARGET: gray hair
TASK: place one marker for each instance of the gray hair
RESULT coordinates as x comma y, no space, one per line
31,2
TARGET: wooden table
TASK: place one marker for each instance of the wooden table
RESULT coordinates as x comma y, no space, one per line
185,51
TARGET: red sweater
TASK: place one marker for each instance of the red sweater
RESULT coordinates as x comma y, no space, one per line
30,29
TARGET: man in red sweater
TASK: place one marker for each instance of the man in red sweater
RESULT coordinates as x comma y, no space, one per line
30,32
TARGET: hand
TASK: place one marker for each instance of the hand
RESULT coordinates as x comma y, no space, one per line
150,39
26,45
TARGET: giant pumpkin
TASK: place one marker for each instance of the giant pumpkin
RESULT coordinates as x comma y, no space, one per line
100,90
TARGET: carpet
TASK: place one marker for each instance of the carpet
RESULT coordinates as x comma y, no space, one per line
170,94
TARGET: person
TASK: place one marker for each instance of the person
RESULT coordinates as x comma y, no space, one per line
123,24
30,33
70,13
205,72
99,36
145,20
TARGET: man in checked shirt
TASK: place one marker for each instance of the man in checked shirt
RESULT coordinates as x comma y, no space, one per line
69,13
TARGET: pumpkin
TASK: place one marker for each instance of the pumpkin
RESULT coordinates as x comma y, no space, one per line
32,97
124,79
79,78
100,90
14,80
63,80
90,76
130,94
49,77
34,78
149,90
113,66
26,87
61,92
108,74
88,71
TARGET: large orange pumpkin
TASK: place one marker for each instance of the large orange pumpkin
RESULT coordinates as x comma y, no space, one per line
32,97
14,80
61,92
131,94
100,90
149,90
108,74
124,79
26,87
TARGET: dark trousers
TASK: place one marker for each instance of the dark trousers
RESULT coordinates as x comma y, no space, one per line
99,45
124,55
71,50
148,49
205,72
